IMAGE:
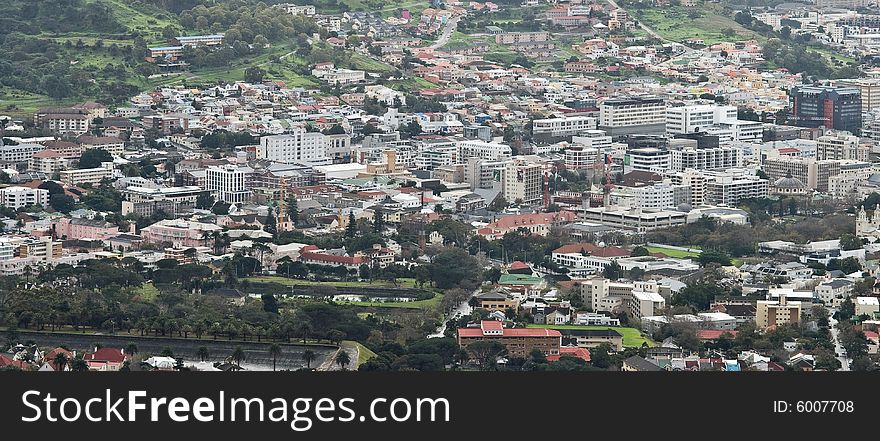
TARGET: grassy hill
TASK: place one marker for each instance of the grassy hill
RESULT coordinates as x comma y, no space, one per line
94,49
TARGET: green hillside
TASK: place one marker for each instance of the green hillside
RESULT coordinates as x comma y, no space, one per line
95,49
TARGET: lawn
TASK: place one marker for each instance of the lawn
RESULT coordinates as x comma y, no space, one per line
363,62
148,292
632,337
401,283
710,23
18,103
146,19
676,254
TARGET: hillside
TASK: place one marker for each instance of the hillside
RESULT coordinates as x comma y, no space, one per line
94,49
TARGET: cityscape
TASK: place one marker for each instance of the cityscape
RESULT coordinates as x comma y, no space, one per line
440,185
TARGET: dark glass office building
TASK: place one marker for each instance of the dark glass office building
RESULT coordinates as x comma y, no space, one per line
838,108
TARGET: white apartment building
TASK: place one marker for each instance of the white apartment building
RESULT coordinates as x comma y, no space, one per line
712,158
334,76
592,138
632,115
730,188
18,197
841,145
522,181
48,162
646,300
298,146
650,159
563,126
635,219
227,183
697,117
14,154
484,150
578,158
75,177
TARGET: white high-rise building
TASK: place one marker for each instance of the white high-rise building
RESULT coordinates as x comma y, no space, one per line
651,159
228,183
483,150
623,116
721,157
697,117
563,126
298,146
18,197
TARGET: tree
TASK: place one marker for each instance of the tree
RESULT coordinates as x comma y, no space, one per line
274,352
203,353
612,271
254,75
79,365
351,228
238,356
854,341
204,201
61,202
707,257
60,361
600,356
486,353
92,158
52,186
378,220
849,241
308,356
639,252
342,359
453,266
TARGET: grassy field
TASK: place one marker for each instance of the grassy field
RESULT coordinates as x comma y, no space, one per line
676,254
710,23
401,283
144,18
632,337
148,292
19,103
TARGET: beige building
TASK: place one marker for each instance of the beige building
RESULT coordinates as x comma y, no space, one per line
773,313
870,88
840,145
522,181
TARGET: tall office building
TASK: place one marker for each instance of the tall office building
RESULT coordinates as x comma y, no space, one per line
522,180
228,183
838,108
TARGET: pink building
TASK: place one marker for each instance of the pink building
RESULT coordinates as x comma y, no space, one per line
179,233
67,228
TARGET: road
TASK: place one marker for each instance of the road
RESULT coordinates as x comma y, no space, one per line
463,309
448,29
838,348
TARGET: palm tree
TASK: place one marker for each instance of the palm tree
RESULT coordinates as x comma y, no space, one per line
303,330
308,356
60,361
203,354
274,352
342,359
131,349
238,355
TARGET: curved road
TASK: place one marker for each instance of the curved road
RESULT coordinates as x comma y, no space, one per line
448,29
